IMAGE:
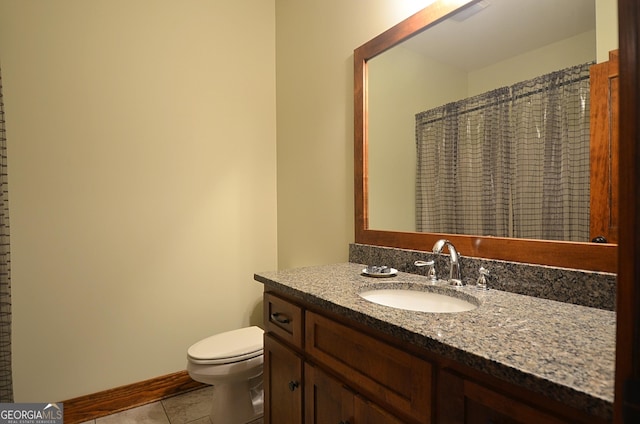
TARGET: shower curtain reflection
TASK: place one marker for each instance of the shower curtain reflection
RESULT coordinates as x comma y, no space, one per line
513,162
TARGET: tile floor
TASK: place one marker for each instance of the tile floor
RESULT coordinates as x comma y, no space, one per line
192,408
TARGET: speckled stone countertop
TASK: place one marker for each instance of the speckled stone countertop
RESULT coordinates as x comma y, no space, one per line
561,350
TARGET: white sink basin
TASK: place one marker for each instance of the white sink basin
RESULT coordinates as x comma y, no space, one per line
417,300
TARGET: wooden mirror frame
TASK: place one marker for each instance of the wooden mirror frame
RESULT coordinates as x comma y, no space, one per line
587,256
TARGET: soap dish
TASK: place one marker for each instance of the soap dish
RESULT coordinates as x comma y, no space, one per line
379,271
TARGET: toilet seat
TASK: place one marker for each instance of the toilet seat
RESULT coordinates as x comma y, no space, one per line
229,347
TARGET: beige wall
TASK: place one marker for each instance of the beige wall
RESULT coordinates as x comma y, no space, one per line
315,42
143,171
142,174
606,27
398,90
142,166
553,57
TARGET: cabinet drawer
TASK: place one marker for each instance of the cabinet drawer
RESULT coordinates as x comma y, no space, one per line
387,375
283,319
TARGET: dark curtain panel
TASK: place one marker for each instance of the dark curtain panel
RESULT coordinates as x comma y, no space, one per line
462,160
6,380
552,136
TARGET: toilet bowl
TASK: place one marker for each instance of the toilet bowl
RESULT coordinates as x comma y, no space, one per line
232,363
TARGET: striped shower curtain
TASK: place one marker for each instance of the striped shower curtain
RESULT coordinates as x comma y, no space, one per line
6,381
512,162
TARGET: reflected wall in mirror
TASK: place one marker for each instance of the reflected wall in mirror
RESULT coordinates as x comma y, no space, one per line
442,55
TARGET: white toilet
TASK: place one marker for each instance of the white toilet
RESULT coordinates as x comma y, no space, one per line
232,363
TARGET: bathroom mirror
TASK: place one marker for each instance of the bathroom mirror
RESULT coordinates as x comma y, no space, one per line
431,23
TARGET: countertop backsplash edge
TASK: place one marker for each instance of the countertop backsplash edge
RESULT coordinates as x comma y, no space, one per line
579,287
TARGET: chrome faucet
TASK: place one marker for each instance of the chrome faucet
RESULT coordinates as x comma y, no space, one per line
455,278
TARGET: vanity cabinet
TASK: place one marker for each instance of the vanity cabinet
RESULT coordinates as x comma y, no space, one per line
377,383
323,369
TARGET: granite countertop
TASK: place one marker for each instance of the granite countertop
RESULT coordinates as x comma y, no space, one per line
564,351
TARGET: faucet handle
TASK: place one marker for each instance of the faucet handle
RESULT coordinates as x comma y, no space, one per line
481,284
431,273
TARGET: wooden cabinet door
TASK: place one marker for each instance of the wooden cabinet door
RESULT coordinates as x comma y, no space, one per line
605,122
366,412
483,406
283,384
327,401
461,401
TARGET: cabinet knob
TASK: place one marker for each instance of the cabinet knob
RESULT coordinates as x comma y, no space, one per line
281,318
293,385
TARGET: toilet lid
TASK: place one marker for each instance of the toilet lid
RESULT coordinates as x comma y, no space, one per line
231,346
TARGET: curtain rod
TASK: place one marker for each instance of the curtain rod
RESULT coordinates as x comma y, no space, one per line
510,97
